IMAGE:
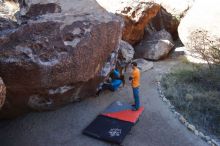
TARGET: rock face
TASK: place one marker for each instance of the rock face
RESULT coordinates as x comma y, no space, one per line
2,93
170,14
6,24
136,13
126,51
109,64
165,20
125,55
34,8
155,47
202,19
57,54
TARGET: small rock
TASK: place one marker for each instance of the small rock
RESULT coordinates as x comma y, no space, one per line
168,103
182,119
196,132
214,142
191,127
207,138
209,142
201,135
186,124
172,110
177,114
172,107
164,99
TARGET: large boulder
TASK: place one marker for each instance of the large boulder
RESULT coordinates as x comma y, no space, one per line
56,55
136,13
170,14
200,24
154,47
2,93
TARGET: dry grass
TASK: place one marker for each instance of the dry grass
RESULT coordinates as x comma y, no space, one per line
195,92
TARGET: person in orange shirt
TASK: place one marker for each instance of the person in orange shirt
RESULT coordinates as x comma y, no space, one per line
135,83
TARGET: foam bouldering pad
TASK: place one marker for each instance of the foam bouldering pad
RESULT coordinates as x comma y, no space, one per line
108,129
122,111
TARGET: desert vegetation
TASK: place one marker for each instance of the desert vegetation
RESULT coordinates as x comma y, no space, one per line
194,89
195,92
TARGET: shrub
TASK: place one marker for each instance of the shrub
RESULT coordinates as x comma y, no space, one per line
205,47
195,92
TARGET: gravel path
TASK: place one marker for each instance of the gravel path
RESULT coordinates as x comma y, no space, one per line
157,125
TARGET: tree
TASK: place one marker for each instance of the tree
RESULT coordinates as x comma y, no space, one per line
205,47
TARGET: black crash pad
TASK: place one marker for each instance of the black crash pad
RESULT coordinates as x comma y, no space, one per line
108,129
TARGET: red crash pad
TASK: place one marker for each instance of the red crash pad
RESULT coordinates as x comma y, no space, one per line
126,115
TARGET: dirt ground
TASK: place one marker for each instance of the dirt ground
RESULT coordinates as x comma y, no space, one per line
157,125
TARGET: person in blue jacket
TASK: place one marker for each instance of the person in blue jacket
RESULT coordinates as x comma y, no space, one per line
112,83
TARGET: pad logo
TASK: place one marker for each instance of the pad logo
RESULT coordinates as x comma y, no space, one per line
114,132
119,103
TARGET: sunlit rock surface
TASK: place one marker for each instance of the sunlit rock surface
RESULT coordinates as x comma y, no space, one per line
136,13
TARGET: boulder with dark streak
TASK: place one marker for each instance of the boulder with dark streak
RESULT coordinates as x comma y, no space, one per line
56,56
